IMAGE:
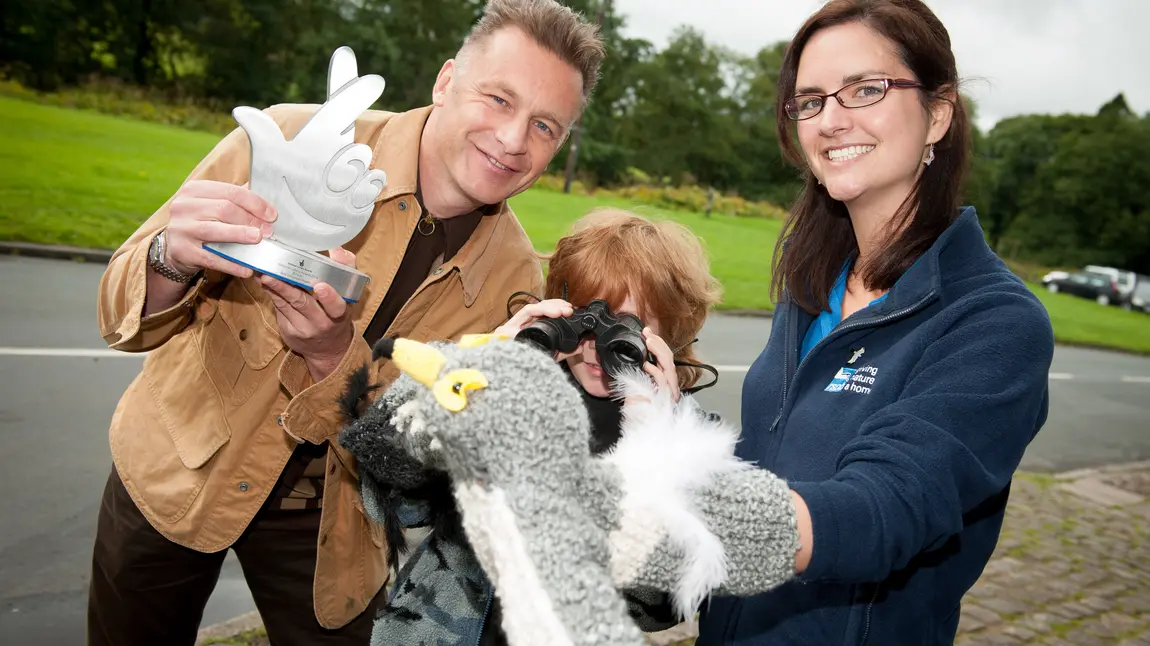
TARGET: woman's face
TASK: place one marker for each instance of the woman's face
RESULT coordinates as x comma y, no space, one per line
871,154
584,361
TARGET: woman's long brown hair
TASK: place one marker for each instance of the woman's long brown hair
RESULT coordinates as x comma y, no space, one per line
818,237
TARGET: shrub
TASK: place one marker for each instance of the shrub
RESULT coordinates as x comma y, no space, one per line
550,182
673,198
116,98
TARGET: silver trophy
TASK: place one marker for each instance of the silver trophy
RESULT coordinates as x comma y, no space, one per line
320,183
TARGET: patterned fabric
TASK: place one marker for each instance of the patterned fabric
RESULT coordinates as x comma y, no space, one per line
440,598
301,485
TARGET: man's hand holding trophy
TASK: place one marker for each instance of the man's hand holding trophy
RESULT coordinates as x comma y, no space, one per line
319,183
311,193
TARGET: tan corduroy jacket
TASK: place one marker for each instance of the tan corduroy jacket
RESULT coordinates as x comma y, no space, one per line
202,434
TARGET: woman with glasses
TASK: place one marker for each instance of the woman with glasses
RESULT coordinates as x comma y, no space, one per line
906,370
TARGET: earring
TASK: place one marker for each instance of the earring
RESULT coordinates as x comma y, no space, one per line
929,155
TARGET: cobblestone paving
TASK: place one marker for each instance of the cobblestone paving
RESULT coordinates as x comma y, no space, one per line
1072,565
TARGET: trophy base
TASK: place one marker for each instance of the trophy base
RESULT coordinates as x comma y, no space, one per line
294,266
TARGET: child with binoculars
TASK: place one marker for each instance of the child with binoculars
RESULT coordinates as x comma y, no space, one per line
622,290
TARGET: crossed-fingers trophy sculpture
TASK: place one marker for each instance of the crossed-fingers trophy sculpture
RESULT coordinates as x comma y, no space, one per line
320,183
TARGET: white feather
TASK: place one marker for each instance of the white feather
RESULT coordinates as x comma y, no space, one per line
668,451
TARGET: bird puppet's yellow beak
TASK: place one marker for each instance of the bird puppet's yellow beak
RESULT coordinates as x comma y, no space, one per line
424,363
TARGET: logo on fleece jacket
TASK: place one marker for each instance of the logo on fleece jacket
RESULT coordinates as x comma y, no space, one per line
853,380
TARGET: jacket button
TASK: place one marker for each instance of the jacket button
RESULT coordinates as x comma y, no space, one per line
403,205
244,334
243,486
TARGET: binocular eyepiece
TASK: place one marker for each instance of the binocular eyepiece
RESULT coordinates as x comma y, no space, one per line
618,337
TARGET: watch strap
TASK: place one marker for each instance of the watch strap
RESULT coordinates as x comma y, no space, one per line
156,256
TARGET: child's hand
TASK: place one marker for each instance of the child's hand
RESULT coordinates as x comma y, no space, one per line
551,308
663,372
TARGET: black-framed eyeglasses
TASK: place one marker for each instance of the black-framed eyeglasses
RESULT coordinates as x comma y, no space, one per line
859,94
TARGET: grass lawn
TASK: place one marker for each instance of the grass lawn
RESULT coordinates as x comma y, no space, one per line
740,248
81,178
1083,322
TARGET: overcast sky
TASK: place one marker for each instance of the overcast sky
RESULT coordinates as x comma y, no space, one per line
1021,56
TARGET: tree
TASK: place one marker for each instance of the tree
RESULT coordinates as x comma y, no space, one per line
1015,149
1088,202
50,43
1116,108
603,155
765,174
675,119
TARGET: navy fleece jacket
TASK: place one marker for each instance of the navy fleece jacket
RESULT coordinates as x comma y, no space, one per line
901,429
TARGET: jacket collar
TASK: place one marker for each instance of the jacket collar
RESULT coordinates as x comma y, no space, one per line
924,277
396,153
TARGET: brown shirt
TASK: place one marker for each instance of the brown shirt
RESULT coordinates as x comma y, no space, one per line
425,250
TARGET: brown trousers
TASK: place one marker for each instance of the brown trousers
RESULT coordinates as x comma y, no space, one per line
147,590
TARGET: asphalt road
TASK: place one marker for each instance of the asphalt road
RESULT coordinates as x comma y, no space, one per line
61,386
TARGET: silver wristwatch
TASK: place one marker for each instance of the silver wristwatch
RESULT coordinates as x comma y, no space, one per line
156,262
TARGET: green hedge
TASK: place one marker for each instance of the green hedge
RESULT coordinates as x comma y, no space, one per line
123,100
673,198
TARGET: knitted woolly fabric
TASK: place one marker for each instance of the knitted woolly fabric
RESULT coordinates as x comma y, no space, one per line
558,530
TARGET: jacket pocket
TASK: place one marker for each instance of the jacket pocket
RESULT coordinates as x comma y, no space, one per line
241,343
166,435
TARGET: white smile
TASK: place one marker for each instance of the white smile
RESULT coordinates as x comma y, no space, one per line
495,163
848,153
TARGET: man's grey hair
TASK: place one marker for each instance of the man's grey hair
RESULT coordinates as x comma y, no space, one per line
553,26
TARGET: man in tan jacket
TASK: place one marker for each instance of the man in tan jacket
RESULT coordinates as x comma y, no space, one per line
225,438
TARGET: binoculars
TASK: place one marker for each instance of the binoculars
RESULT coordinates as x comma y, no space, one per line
618,337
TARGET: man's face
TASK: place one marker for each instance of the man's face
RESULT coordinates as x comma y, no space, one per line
504,110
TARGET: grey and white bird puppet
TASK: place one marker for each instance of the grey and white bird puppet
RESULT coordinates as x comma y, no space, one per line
562,533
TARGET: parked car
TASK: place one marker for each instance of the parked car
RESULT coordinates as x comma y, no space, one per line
1140,297
1101,288
1124,280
